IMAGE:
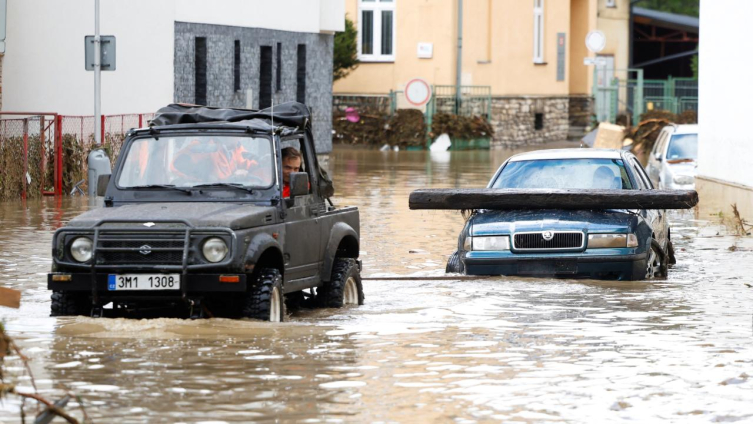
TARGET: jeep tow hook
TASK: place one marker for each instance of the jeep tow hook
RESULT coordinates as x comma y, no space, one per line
197,309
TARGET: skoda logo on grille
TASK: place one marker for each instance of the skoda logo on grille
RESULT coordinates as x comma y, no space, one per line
547,235
145,249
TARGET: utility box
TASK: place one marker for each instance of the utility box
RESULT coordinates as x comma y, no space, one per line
99,164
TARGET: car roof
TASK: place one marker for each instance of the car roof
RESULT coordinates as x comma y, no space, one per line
686,129
581,153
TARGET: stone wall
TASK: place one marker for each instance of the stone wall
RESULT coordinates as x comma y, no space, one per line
515,120
221,92
581,111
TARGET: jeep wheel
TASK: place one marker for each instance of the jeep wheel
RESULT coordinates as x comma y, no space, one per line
344,287
70,304
265,299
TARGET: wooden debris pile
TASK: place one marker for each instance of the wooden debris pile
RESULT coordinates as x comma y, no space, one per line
11,298
645,133
461,127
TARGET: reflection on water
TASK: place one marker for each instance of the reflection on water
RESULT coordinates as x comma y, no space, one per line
493,349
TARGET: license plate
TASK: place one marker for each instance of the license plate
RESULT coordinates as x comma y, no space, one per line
143,282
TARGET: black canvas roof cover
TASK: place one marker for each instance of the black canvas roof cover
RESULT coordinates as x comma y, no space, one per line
291,114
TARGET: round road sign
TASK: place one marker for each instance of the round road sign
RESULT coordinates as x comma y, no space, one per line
595,41
417,92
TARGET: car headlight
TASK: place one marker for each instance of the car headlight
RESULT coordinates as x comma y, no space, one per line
214,249
683,179
490,243
81,249
603,241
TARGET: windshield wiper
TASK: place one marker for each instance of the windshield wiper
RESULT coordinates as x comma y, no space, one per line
185,190
233,185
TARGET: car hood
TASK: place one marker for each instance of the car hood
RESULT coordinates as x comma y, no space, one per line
204,214
508,222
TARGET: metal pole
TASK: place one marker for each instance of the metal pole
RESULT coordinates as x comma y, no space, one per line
97,76
459,71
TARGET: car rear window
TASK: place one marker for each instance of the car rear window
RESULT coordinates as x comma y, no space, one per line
564,174
683,146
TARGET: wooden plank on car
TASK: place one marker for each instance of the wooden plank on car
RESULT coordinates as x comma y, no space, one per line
10,298
510,199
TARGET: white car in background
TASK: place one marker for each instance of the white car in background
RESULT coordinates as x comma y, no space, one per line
672,162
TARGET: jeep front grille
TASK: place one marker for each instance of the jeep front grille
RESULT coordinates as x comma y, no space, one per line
123,249
558,240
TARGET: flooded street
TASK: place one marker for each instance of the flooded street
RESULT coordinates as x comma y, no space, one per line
490,349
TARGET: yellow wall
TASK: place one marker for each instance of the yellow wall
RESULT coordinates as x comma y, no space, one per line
615,24
497,47
582,19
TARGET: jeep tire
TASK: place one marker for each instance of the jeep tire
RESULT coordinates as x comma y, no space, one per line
265,299
344,286
70,304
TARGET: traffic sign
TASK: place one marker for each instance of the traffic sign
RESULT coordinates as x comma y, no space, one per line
418,92
107,52
596,41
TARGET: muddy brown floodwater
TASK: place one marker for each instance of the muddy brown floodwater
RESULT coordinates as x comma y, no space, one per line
494,349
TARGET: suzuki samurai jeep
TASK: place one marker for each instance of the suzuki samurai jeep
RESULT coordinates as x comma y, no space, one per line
197,217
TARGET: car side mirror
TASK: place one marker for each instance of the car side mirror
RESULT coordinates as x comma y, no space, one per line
658,157
299,184
102,182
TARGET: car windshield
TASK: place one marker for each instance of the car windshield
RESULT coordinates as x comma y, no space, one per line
564,174
188,161
683,146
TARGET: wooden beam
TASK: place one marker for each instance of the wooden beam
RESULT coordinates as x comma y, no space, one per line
511,199
10,298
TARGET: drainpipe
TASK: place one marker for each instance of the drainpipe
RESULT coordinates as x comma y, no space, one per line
459,72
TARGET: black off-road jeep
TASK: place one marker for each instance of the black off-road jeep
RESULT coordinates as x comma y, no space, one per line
195,216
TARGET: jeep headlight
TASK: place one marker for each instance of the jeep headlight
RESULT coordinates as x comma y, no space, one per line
81,249
604,241
683,179
490,243
214,249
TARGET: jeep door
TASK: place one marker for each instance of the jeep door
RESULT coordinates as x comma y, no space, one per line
302,227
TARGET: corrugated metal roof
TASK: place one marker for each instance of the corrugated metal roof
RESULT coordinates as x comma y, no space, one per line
672,19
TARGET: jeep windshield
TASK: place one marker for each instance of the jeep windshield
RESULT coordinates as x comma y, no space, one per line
221,161
564,174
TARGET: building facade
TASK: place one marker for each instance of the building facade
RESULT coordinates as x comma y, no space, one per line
725,151
529,52
251,53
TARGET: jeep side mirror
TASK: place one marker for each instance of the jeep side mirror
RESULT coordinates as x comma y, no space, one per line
299,184
102,182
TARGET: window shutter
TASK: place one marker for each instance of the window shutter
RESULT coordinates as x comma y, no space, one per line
265,77
301,75
200,71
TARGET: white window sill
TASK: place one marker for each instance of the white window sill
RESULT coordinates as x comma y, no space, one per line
376,59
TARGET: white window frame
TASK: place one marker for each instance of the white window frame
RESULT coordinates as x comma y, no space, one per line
538,31
377,7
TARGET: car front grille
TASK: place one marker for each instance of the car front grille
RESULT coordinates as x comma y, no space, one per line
163,249
559,240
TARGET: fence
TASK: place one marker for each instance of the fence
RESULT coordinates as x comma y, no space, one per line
45,153
472,101
626,92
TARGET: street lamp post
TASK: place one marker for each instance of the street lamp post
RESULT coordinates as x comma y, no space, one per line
97,77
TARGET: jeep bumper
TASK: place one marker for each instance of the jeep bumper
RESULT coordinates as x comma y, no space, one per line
192,284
